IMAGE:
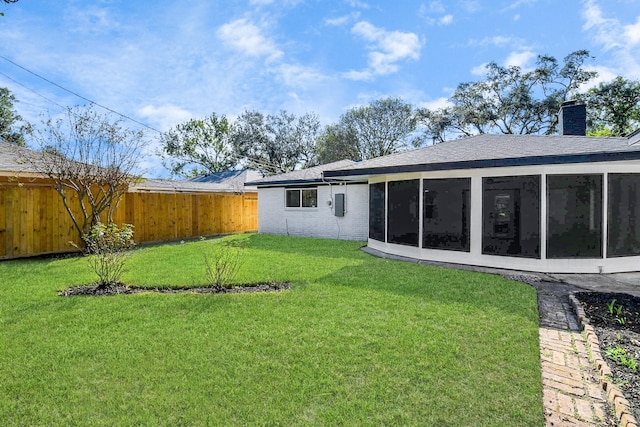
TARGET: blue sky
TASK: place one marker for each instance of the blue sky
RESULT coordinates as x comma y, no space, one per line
162,62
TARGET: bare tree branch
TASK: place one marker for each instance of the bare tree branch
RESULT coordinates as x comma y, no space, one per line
91,160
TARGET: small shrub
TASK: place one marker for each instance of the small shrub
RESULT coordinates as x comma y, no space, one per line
622,357
107,247
222,263
616,311
611,306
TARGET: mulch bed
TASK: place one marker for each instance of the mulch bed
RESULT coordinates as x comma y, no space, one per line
120,288
613,333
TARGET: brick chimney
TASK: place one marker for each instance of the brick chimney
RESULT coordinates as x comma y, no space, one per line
572,118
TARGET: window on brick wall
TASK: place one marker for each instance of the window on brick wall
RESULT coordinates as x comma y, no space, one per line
301,198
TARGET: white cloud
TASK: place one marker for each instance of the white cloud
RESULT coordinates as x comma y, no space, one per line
427,12
436,104
605,74
446,20
471,6
519,3
90,19
359,75
249,39
433,7
632,33
480,70
605,28
515,59
300,76
358,4
498,41
519,59
387,48
342,20
165,116
620,40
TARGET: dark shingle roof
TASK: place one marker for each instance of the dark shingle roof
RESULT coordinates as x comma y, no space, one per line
239,176
303,176
495,151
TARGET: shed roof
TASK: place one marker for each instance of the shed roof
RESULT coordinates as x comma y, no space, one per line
186,186
232,179
303,176
229,176
484,151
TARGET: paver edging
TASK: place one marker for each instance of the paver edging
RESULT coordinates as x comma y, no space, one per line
614,395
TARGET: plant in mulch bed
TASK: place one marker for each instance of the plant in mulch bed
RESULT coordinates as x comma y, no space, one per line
107,247
616,310
622,357
616,321
222,262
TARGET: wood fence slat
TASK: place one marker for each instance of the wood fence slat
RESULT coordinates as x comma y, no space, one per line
3,224
34,221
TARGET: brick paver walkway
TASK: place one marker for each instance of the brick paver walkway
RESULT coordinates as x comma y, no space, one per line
572,392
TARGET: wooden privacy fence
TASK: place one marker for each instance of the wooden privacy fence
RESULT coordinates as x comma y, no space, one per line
34,221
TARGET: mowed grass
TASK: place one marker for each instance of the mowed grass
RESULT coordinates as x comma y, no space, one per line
357,341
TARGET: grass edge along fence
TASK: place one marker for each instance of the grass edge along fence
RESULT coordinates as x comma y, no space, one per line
33,220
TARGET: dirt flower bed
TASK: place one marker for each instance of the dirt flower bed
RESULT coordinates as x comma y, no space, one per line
120,288
616,320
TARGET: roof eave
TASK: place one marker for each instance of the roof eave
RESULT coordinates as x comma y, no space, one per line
292,182
488,163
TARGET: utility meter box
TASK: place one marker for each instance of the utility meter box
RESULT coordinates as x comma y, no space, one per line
338,207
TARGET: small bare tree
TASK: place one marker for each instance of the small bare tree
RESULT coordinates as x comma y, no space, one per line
90,156
222,262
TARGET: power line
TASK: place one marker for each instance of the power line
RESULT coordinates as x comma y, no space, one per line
33,91
78,95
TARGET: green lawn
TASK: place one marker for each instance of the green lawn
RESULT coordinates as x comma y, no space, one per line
357,341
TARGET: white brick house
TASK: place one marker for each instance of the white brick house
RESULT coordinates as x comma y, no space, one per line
565,203
301,203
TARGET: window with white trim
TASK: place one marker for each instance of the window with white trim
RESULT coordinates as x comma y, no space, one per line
301,198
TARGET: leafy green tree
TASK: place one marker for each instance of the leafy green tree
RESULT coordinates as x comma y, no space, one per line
383,127
613,108
275,144
511,100
11,126
199,147
336,143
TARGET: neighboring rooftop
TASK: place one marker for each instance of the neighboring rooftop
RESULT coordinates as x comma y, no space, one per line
303,176
188,186
229,176
232,179
13,162
483,151
13,159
